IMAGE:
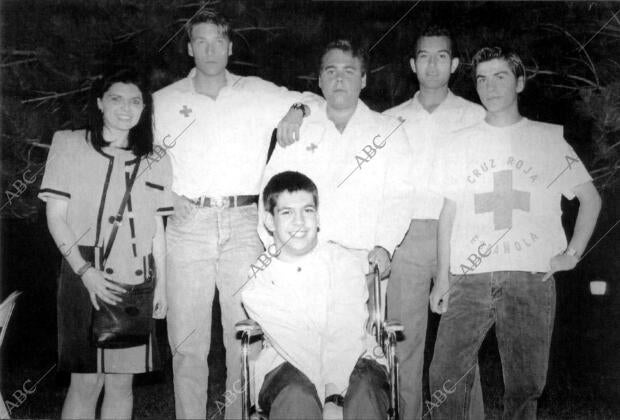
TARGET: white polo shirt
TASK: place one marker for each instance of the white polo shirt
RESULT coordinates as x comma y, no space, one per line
219,146
423,130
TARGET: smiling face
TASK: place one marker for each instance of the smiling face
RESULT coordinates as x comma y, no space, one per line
294,224
498,87
210,48
122,105
433,63
341,79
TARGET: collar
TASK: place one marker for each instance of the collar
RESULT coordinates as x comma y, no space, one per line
516,125
447,103
124,155
359,116
188,84
308,260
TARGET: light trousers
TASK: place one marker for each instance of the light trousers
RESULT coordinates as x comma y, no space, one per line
413,266
213,247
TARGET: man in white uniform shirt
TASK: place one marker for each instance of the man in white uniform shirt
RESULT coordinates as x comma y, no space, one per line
216,127
359,159
432,113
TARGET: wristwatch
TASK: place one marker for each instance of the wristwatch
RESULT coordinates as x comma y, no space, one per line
336,399
83,269
572,252
300,107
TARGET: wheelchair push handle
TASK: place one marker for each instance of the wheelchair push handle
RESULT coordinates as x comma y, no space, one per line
249,327
377,314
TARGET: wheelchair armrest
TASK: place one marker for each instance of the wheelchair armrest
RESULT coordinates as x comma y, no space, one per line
393,325
249,326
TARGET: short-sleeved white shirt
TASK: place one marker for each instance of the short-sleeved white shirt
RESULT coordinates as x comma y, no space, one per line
424,129
362,195
219,146
507,183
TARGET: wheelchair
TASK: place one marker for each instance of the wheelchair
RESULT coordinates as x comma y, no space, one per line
384,331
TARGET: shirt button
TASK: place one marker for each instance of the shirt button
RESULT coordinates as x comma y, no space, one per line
298,269
138,272
109,270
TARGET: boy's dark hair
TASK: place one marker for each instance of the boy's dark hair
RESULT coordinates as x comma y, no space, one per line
208,16
436,30
347,46
140,138
490,53
291,182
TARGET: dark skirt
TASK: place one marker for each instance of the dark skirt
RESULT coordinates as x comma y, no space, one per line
76,353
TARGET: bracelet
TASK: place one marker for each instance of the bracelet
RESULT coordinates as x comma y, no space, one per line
300,107
83,269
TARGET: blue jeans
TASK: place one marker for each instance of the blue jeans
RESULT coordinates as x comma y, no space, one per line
288,394
214,247
413,266
522,308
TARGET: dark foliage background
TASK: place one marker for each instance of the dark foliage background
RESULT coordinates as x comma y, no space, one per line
52,50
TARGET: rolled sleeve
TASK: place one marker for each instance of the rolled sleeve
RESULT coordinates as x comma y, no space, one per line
275,101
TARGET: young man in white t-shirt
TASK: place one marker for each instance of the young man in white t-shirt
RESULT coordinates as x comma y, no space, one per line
310,300
500,239
432,113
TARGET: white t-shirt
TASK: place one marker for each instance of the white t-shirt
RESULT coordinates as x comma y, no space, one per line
424,130
507,183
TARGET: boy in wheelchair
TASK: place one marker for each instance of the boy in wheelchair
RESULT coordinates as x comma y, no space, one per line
310,301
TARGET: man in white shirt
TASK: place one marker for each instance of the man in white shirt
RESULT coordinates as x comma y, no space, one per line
215,126
358,158
310,302
432,113
501,238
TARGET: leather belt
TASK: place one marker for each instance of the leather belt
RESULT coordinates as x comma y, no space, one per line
225,202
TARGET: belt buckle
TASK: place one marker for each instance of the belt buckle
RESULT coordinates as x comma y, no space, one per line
220,202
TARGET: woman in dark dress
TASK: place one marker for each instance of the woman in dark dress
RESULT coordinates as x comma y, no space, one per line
85,179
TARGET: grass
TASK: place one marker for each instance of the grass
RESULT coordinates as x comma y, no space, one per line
566,396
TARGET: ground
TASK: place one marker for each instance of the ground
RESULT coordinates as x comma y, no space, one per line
584,372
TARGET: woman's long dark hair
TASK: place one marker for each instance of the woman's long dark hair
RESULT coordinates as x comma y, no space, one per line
140,139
